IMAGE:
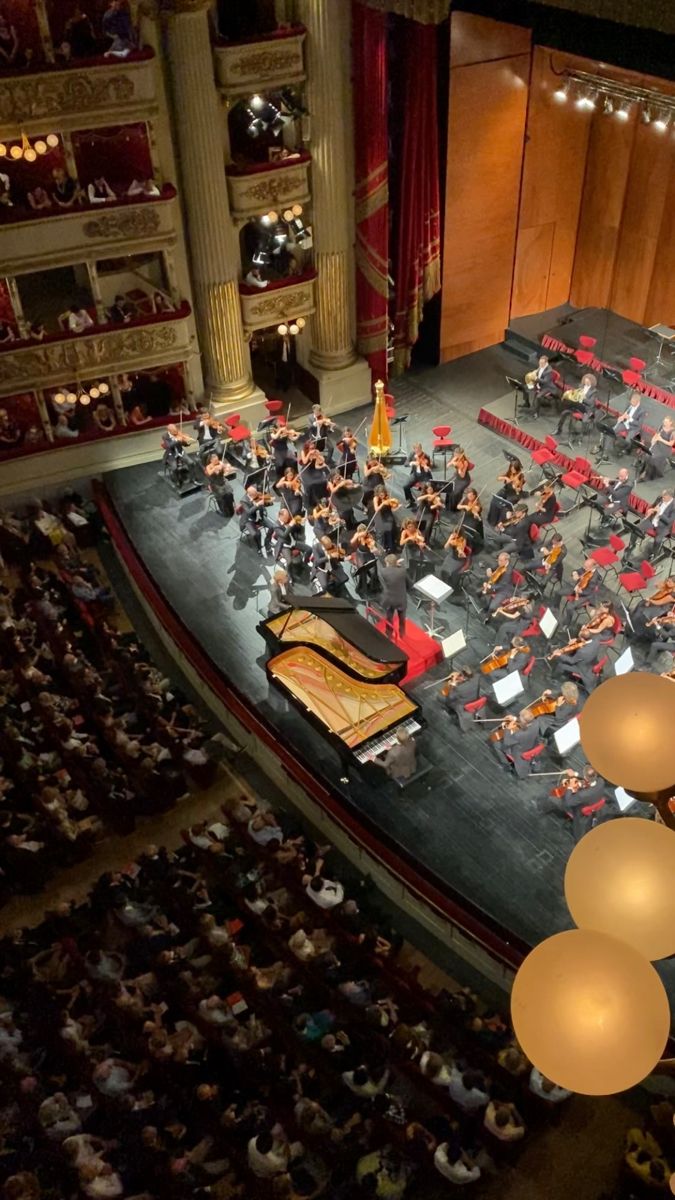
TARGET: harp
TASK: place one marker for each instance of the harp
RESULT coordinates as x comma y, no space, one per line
379,442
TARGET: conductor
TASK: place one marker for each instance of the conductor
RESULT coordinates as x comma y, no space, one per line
394,594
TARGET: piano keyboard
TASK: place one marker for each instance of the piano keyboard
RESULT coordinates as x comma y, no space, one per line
378,745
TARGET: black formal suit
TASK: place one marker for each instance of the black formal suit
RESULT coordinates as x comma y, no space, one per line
580,662
586,407
615,499
630,426
394,594
544,385
252,518
514,744
516,537
659,525
463,693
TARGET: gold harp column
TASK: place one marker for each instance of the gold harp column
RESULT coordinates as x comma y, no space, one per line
343,377
214,246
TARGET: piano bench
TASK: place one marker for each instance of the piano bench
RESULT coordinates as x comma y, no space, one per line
423,769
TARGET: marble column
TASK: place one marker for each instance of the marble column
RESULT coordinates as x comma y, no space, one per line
333,327
214,246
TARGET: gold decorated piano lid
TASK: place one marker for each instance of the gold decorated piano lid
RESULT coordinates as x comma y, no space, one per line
303,626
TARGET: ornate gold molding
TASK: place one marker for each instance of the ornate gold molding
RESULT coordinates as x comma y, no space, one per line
260,64
125,223
251,195
284,302
49,95
272,188
76,358
427,12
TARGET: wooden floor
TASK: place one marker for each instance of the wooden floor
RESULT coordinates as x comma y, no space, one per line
468,824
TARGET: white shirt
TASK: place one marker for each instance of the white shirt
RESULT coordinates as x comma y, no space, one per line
554,1096
79,321
660,508
330,896
456,1172
266,1166
469,1100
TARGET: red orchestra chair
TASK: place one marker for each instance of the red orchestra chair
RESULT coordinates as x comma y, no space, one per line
637,364
589,809
442,441
527,671
546,453
586,342
274,407
475,706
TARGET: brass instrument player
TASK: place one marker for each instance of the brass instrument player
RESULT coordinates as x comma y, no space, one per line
581,399
539,384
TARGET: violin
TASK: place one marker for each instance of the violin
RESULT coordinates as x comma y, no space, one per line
433,499
347,445
421,461
551,556
336,553
387,502
601,622
509,723
512,605
263,498
574,644
452,680
663,594
459,544
365,541
414,536
258,451
293,484
501,658
183,438
283,431
461,463
472,506
546,493
374,466
207,419
218,468
583,581
665,619
493,578
546,705
572,784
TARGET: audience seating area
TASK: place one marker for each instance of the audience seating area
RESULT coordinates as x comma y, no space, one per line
91,734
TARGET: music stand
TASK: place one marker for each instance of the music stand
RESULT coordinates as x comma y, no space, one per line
624,663
453,643
567,737
434,591
548,623
505,690
398,455
624,799
518,387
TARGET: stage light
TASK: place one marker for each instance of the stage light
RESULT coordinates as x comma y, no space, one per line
103,389
629,711
662,121
288,215
562,92
41,147
590,1012
85,399
623,113
620,880
294,329
256,103
71,398
94,393
297,210
586,102
59,397
266,220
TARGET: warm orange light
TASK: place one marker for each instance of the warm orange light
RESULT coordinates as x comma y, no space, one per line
626,727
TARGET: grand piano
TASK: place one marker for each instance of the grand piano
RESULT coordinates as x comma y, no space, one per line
341,673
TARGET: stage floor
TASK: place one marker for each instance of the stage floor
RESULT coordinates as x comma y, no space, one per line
468,826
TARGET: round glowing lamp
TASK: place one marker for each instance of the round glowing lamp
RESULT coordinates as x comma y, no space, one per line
71,398
272,217
16,152
85,398
301,322
625,728
282,330
3,150
297,210
30,155
620,880
94,393
294,329
288,215
52,141
59,397
40,147
103,388
590,1012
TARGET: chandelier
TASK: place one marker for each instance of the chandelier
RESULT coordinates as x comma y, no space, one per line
293,327
82,395
24,149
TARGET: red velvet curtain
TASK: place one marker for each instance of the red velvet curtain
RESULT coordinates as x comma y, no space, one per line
120,153
417,262
21,14
369,48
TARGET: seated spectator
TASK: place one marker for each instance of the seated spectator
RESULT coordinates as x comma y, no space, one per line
66,191
79,40
11,54
10,432
324,892
63,429
39,198
468,1089
162,304
7,333
645,1160
144,187
361,1083
512,1059
118,312
139,415
113,1077
117,27
460,1169
33,437
254,278
270,1155
264,828
79,320
58,1119
36,331
104,417
434,1068
504,1122
100,191
383,1175
546,1090
83,590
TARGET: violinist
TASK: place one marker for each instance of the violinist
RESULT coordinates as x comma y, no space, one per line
420,472
217,475
255,454
584,588
515,614
513,532
324,520
573,792
429,505
308,453
207,430
460,479
497,585
253,518
556,711
346,447
503,660
458,552
327,573
472,518
577,657
413,545
460,688
289,488
339,496
513,487
661,599
318,428
288,538
546,506
314,476
519,734
174,442
602,619
384,522
662,628
280,439
375,475
364,556
550,558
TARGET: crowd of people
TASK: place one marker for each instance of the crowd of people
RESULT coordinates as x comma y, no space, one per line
228,1021
92,735
65,192
111,34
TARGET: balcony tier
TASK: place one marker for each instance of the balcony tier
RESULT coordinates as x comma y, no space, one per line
110,92
107,350
283,301
278,185
57,236
262,64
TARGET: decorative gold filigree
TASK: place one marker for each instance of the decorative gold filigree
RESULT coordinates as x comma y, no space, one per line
77,357
272,188
261,63
125,223
281,302
29,97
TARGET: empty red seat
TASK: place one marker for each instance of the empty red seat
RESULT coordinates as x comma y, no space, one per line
637,364
586,342
475,706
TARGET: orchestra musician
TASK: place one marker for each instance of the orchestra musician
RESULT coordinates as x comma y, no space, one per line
394,597
289,488
455,560
364,556
413,545
556,711
662,628
581,399
513,480
288,538
255,455
519,734
319,427
498,584
324,520
420,472
217,476
573,792
515,614
279,588
340,488
174,442
546,506
615,494
539,384
280,438
375,475
208,431
327,572
346,447
253,518
661,599
472,518
513,533
314,477
586,584
658,521
460,479
578,657
625,430
602,619
461,687
429,505
503,659
384,522
550,558
653,465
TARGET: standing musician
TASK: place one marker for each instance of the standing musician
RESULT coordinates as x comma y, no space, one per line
414,546
217,476
513,533
375,475
318,428
314,477
384,522
660,449
420,472
339,496
514,737
502,660
578,657
497,585
174,442
658,521
289,488
573,792
546,506
208,431
626,429
549,559
586,584
539,384
472,518
364,556
252,516
460,688
615,494
394,597
429,505
581,399
280,438
255,455
460,479
455,560
513,481
556,711
347,446
327,572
